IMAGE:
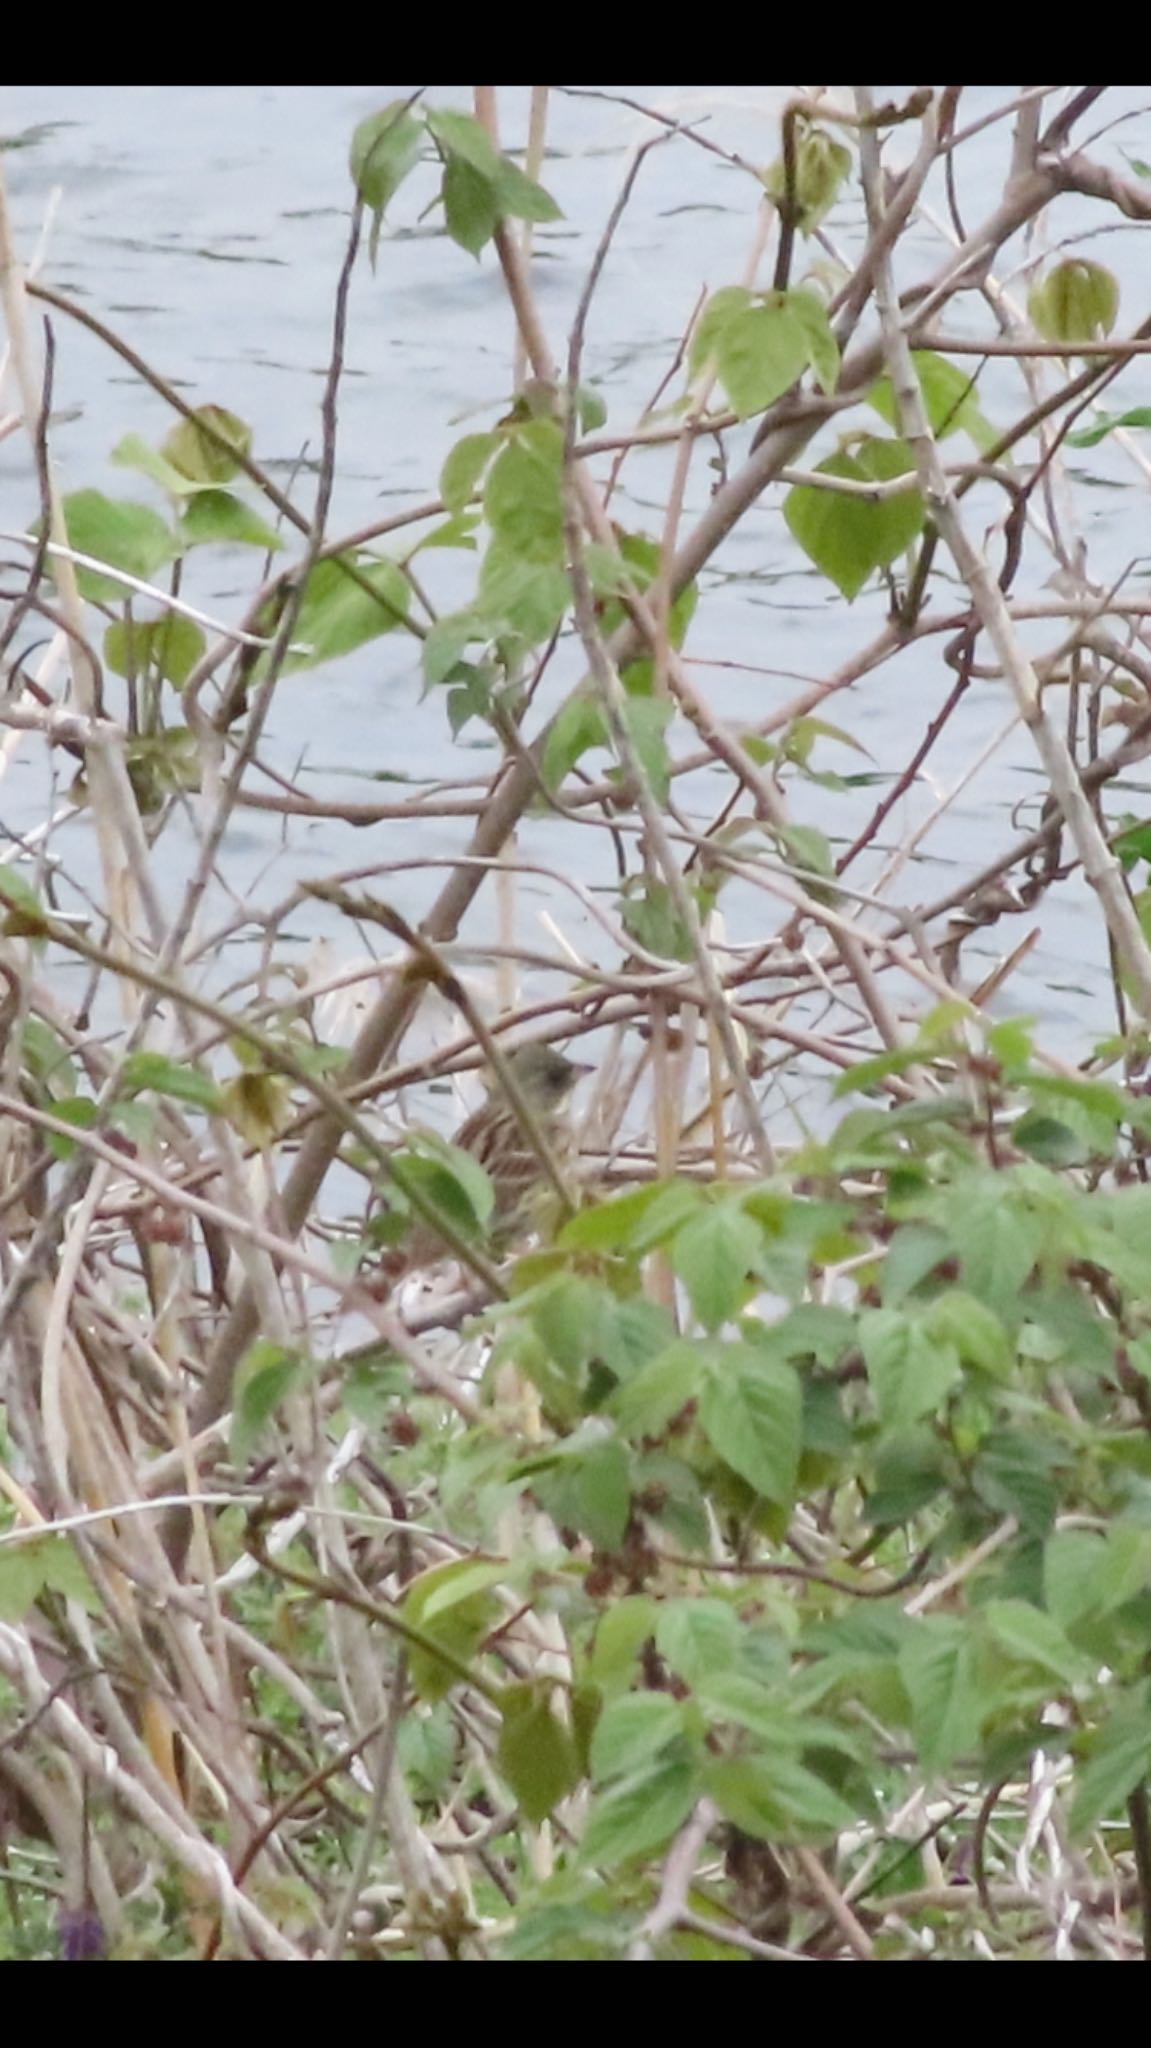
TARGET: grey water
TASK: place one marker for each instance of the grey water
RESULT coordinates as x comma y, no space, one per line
207,224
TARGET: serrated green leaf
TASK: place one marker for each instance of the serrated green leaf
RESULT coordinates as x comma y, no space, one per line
631,1732
589,1489
639,1813
937,1666
647,1403
1013,1474
699,1637
713,1254
776,1798
22,1578
1032,1637
973,1330
522,592
752,1415
910,1371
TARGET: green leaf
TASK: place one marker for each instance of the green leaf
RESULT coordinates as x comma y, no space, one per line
266,1375
592,409
134,453
1118,1760
444,647
521,197
713,1254
775,1797
651,916
471,208
822,348
1013,1474
589,1489
762,351
117,531
257,1105
1089,437
536,1752
385,147
721,310
463,467
458,1628
698,1637
1071,1559
461,135
631,1732
959,1320
660,1390
949,396
849,537
639,1813
522,592
753,1417
620,1635
337,613
569,1318
998,1243
1032,1637
194,450
637,1221
171,645
910,1372
909,1475
937,1666
647,720
218,518
579,725
1076,301
821,165
166,1076
523,495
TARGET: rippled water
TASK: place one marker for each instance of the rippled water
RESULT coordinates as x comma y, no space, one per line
207,225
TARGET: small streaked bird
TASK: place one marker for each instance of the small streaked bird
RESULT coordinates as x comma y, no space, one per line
495,1138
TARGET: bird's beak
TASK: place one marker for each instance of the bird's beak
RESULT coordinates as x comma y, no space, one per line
580,1068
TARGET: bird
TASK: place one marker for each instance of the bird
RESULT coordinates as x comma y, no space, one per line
494,1136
